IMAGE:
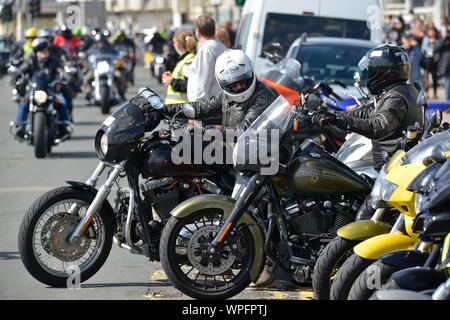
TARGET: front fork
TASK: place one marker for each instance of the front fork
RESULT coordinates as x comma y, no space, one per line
100,197
244,195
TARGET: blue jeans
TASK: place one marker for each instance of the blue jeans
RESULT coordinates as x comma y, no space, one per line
22,113
447,86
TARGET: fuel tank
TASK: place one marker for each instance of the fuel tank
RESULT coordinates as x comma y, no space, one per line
158,163
314,172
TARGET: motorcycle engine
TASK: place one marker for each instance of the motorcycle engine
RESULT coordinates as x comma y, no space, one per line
320,217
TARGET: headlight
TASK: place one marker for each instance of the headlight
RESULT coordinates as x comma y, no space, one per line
159,60
104,144
418,202
40,97
387,190
103,67
375,195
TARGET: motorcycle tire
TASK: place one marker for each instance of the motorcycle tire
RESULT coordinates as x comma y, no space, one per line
27,233
105,103
346,276
330,259
181,281
40,135
361,289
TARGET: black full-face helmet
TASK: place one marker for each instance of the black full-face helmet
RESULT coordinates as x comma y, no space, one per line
386,65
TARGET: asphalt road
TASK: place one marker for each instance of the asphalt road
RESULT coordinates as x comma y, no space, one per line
24,178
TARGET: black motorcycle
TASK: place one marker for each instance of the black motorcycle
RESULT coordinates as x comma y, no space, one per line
214,246
75,225
43,129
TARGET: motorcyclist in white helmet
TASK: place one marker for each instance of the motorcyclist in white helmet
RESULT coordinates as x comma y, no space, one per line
242,100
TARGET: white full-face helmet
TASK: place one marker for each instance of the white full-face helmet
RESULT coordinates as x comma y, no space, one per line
234,73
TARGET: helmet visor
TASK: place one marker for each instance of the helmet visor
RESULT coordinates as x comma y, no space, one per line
235,85
238,86
364,63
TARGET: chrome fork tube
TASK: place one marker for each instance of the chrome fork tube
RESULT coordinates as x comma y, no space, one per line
398,225
102,194
92,182
378,215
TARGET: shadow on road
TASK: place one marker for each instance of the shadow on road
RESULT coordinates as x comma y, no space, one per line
73,155
122,285
78,138
87,123
9,255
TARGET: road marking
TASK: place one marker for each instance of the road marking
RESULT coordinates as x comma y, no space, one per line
157,276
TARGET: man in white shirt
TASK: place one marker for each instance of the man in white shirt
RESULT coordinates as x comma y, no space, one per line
200,73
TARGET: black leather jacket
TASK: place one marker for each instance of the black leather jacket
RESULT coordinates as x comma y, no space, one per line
52,67
237,116
384,123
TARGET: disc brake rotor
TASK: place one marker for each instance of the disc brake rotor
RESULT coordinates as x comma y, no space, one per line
209,264
60,247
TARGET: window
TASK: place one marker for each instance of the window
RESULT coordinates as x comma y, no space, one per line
285,28
326,62
242,37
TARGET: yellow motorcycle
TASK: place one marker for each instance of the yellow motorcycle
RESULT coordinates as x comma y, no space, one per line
341,247
398,174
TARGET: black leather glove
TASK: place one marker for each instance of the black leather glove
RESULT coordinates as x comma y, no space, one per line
323,119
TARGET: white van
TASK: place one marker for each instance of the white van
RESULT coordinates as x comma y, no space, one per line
267,21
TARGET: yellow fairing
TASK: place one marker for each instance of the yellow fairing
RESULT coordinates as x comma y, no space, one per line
401,199
374,248
409,221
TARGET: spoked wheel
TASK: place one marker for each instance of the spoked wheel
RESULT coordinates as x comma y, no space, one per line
195,272
43,238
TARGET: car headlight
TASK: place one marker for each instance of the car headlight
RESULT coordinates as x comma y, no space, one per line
40,97
387,190
159,60
103,67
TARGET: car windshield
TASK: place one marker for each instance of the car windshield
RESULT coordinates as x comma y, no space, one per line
325,62
264,135
424,149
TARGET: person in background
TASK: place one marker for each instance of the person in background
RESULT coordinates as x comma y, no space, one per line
418,30
394,33
231,33
27,47
127,45
68,42
444,25
443,68
223,36
200,72
41,61
86,41
415,55
429,62
176,81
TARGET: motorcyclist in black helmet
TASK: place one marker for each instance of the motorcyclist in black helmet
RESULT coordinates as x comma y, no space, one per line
55,51
395,106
